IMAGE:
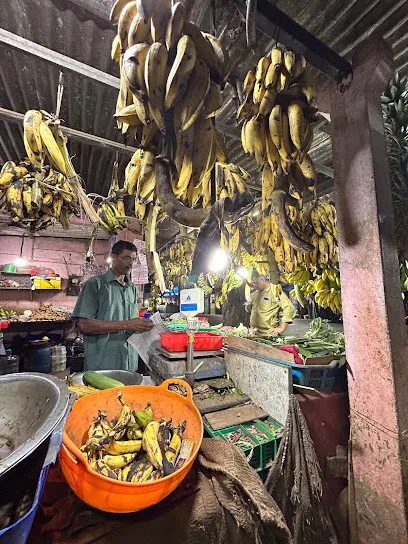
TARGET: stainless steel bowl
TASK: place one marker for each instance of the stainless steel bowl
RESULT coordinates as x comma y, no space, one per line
31,406
124,376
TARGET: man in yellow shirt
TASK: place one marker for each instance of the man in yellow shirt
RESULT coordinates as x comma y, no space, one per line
266,308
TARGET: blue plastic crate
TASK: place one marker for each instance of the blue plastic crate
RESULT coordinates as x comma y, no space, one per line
321,377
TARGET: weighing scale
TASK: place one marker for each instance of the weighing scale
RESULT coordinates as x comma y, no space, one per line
208,364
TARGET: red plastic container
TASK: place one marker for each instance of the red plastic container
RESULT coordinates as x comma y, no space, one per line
203,341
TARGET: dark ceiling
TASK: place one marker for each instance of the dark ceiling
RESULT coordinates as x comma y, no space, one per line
79,29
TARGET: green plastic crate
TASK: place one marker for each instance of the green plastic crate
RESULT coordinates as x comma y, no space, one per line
264,441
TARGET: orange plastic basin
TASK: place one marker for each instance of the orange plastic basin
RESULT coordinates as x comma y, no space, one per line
123,497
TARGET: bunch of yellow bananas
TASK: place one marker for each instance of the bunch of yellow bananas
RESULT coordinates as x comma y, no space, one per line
328,290
140,180
324,235
36,197
301,276
203,283
301,279
45,144
266,236
230,281
230,240
231,179
171,75
81,390
278,131
134,447
276,290
111,212
177,265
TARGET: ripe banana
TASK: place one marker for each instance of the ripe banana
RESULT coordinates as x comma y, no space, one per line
255,138
198,91
119,447
139,31
271,78
125,20
181,69
115,462
221,55
204,49
249,83
175,25
161,14
202,151
52,147
134,61
213,101
267,102
261,71
173,450
151,445
308,170
275,126
296,125
119,429
102,468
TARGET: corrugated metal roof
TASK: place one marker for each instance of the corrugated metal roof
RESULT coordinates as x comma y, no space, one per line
28,82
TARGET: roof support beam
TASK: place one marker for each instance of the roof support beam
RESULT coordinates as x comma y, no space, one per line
62,61
100,8
73,134
277,25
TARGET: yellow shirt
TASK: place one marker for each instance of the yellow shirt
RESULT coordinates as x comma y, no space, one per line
265,310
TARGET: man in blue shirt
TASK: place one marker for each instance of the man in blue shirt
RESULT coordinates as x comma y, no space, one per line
107,312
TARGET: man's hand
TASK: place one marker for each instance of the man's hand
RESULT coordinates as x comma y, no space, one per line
277,330
139,324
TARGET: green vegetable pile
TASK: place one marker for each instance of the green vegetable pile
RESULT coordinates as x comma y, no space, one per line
321,339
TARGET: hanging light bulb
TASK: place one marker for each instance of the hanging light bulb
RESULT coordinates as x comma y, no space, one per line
219,261
109,260
21,261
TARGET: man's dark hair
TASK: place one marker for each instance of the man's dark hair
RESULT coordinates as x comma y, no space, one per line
122,246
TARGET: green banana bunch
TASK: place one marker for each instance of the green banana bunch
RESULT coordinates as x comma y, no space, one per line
143,417
111,218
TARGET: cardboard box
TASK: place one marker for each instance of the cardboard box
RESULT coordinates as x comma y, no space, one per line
39,282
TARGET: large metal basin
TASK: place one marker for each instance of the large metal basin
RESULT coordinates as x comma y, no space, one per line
124,376
31,406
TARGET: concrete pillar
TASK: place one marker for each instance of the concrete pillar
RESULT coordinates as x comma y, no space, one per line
376,338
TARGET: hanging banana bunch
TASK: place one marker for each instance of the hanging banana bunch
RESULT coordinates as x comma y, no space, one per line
111,211
230,180
277,131
37,192
177,263
171,76
43,188
317,273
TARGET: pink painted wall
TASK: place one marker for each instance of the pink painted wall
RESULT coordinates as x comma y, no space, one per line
47,252
63,255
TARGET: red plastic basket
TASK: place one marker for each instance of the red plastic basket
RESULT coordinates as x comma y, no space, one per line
203,341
